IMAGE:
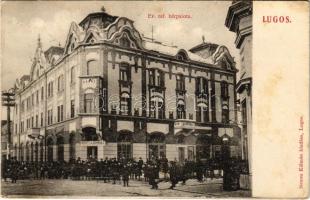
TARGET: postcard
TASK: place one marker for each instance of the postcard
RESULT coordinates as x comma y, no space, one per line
160,99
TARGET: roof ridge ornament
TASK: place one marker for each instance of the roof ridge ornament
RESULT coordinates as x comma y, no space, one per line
103,9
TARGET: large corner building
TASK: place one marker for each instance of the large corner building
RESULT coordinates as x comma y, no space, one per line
109,92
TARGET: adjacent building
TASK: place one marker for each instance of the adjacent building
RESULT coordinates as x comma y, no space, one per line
110,92
239,20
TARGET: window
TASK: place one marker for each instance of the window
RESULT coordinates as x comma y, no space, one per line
60,83
202,114
32,99
224,90
153,109
42,120
202,85
50,117
160,78
61,113
32,122
42,93
125,103
125,42
50,89
60,116
37,121
225,114
157,146
157,108
37,97
181,110
72,108
244,113
125,73
88,103
124,146
91,67
152,77
72,75
180,82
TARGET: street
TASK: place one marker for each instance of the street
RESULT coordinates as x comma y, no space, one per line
49,187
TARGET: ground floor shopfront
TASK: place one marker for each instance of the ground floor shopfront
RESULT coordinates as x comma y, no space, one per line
92,137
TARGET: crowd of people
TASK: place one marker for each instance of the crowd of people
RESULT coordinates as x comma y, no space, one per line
110,170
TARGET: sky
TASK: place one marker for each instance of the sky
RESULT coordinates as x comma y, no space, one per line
23,22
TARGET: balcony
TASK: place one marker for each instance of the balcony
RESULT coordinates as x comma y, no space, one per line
33,132
188,126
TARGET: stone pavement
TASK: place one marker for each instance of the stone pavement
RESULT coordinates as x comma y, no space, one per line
32,188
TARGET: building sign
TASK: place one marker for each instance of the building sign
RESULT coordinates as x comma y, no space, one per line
89,83
186,124
156,127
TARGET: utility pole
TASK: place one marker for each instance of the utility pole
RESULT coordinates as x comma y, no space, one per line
8,100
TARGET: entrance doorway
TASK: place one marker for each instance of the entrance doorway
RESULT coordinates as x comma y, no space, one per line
181,154
92,152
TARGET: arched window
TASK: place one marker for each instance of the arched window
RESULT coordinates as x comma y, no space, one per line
125,42
181,114
91,68
125,103
72,146
89,134
50,149
89,103
181,56
124,145
60,148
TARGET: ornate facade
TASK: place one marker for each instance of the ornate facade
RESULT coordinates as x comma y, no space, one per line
109,92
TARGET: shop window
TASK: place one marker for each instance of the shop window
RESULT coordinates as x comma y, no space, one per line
156,146
124,145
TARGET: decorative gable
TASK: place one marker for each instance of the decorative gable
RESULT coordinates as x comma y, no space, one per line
222,58
123,33
73,38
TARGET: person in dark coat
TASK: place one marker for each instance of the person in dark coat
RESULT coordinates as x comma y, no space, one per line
139,168
199,170
173,175
125,175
